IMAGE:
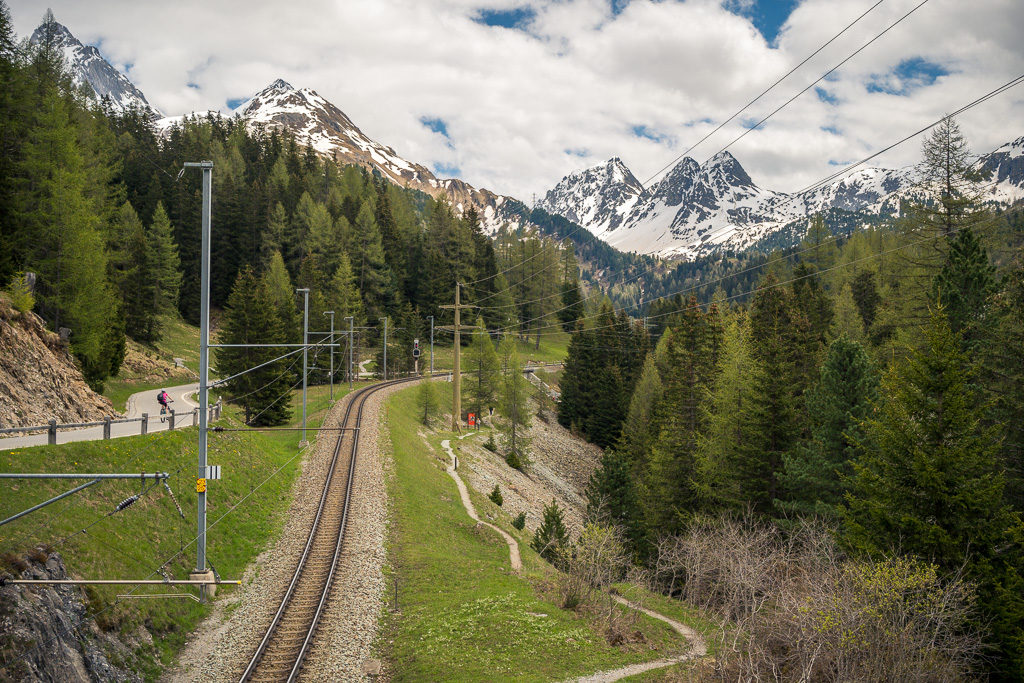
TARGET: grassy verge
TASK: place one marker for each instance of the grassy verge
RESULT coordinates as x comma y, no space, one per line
463,615
553,349
97,543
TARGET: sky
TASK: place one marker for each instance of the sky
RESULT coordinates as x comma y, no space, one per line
512,95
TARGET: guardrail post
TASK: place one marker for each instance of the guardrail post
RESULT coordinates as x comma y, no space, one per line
145,424
170,417
195,416
52,433
219,406
106,427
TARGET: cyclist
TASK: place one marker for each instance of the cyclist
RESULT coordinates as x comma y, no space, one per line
164,399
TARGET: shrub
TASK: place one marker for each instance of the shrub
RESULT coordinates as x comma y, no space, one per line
496,497
520,521
490,445
18,291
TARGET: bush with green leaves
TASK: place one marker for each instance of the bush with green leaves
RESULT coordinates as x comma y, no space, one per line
520,521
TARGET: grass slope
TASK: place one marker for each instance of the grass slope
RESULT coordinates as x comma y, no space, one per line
463,615
98,543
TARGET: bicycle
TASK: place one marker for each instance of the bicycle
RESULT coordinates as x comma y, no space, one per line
163,410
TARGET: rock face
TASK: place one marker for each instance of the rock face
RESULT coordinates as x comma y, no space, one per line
697,209
89,67
38,377
44,635
323,126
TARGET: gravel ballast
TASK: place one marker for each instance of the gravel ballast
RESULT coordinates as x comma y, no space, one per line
221,647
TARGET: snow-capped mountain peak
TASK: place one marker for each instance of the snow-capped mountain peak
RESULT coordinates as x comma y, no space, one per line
87,65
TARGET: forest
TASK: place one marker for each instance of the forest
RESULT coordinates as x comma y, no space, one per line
870,384
98,208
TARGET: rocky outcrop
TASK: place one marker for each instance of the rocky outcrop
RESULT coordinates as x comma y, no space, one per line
38,377
45,634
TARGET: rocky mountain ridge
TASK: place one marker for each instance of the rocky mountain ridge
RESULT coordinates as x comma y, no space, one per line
700,208
88,66
319,123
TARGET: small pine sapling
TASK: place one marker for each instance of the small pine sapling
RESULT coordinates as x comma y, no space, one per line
520,521
496,496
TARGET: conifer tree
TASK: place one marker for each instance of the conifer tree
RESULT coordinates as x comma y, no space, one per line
164,270
640,430
427,400
263,393
343,297
551,535
930,485
772,419
692,363
484,379
512,405
965,287
816,473
718,481
612,499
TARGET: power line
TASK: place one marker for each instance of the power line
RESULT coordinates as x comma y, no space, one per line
737,113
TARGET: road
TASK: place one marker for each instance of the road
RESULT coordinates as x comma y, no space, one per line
142,402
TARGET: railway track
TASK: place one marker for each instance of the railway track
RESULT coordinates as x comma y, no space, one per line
280,654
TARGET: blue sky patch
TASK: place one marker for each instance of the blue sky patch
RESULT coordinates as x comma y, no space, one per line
768,16
825,96
511,18
647,134
577,152
908,76
618,6
436,125
193,85
234,104
831,129
443,170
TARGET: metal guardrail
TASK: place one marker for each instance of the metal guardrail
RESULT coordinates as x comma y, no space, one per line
173,417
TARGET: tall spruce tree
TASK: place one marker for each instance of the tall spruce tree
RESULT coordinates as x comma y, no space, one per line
965,287
263,393
772,419
612,499
816,473
930,485
164,270
512,405
692,363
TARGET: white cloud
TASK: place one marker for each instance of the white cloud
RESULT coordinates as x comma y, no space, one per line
525,107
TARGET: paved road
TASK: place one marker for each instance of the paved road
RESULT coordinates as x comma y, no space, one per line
142,402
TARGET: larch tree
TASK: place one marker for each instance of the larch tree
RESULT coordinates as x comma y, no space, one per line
483,367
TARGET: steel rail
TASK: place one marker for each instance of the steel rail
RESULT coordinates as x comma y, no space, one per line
358,398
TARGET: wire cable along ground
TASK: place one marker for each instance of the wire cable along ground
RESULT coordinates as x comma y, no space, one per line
282,650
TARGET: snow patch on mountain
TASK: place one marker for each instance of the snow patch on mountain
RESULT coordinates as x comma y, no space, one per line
88,66
700,208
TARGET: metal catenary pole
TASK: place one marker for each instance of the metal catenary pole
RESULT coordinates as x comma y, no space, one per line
385,375
351,346
204,361
431,345
331,313
305,358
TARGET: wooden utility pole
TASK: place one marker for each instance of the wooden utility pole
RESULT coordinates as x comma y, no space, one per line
457,371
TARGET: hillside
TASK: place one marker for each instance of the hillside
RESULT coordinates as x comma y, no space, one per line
38,377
